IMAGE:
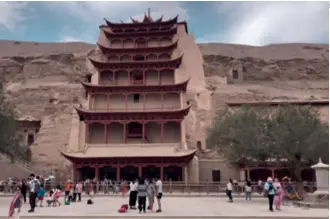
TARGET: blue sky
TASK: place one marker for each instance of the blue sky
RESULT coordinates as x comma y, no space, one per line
252,23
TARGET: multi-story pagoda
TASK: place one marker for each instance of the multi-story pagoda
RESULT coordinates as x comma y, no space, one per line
133,123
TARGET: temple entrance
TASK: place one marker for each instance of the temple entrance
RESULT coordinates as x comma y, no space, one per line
173,173
281,173
150,172
108,172
129,173
87,173
260,174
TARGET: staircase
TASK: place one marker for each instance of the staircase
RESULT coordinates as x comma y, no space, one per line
19,168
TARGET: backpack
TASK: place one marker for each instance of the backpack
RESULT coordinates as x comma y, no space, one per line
36,186
271,187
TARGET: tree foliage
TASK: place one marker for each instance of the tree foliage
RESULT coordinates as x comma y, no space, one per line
293,134
9,142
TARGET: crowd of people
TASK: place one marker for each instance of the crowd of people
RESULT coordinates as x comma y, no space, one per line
140,192
273,190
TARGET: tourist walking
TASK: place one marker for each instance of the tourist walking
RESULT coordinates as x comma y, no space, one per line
278,194
24,189
229,190
142,195
123,188
248,190
270,190
16,204
34,189
41,195
132,195
78,190
151,194
68,187
159,186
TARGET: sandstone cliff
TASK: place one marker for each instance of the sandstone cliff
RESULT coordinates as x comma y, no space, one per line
42,79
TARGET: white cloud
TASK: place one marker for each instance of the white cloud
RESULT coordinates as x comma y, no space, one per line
260,23
11,13
91,14
67,38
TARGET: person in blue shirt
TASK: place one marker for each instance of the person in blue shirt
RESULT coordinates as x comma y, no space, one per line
270,190
41,195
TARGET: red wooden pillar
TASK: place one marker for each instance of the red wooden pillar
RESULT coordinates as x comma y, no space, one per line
161,172
140,170
118,173
129,76
126,102
144,101
108,102
86,132
90,101
124,133
144,77
143,132
159,79
97,173
162,132
113,78
162,100
273,172
106,133
74,173
247,173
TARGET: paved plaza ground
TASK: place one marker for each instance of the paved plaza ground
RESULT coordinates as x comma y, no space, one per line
173,207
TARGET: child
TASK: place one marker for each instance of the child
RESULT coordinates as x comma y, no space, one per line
50,197
16,204
57,196
41,194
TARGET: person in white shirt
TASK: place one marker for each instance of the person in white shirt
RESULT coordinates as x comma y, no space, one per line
159,186
229,190
132,194
33,194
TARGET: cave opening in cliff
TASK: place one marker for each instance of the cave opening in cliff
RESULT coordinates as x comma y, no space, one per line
235,74
88,78
30,139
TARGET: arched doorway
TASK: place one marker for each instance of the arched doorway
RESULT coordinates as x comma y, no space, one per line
108,172
150,172
87,173
129,173
260,174
173,173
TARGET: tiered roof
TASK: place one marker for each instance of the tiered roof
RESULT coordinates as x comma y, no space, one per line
95,88
167,48
120,115
106,65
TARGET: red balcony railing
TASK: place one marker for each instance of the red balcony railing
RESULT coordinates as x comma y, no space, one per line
137,82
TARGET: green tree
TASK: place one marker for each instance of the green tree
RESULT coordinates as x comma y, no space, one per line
9,142
299,136
253,135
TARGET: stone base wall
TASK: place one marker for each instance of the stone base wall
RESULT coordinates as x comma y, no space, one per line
226,170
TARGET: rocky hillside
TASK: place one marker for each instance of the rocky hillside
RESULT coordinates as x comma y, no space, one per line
42,79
